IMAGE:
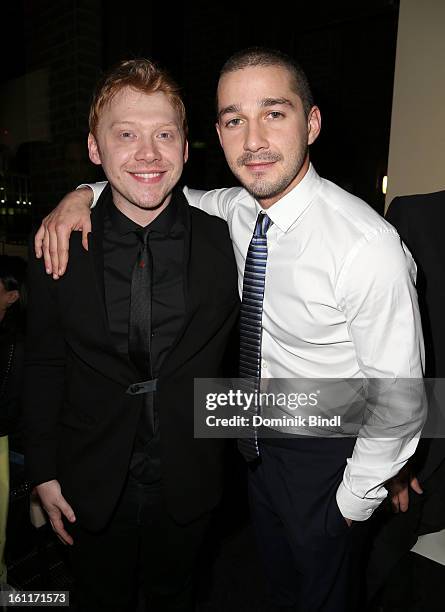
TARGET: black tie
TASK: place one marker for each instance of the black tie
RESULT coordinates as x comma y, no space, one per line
251,321
139,339
139,333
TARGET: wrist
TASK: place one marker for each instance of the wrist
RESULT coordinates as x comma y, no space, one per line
85,196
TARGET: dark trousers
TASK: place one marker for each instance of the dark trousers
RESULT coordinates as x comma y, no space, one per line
142,543
393,536
311,557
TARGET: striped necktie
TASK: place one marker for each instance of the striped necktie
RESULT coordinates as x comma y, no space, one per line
251,321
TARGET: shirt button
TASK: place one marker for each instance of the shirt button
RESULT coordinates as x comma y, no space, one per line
264,365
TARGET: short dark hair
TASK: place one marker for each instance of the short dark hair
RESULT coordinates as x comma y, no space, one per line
262,56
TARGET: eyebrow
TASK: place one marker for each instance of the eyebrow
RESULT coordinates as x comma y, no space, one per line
122,123
264,103
232,108
157,125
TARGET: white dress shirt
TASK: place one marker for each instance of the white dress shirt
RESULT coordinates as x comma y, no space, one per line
340,302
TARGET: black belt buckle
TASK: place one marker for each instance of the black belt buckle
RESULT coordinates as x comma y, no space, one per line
146,386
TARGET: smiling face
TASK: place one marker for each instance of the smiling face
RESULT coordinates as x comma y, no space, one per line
263,130
140,143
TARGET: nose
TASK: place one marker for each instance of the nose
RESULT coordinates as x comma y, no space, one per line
255,137
147,150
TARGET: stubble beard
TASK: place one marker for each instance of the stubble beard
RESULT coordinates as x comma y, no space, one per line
261,188
125,200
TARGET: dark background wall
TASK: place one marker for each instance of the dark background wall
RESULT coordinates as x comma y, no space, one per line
52,53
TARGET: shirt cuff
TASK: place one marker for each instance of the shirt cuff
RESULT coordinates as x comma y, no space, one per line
353,507
96,188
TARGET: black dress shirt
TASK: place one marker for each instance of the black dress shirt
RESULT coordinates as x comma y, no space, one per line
120,247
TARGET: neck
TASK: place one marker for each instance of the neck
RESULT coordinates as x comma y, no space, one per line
141,216
268,202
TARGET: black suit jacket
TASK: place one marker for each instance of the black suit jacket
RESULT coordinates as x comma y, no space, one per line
420,221
80,423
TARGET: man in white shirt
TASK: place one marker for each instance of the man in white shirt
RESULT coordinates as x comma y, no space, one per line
339,302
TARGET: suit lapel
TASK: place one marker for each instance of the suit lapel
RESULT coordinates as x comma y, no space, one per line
96,254
194,286
112,363
172,356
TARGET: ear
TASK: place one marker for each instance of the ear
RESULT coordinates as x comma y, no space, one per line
218,129
313,124
12,296
186,151
93,150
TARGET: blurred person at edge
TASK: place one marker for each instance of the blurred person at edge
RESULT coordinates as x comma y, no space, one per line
12,304
339,301
416,502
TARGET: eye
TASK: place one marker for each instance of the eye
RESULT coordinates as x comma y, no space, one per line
233,122
165,135
275,115
127,135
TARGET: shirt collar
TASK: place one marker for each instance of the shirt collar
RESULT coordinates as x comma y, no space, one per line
290,207
167,222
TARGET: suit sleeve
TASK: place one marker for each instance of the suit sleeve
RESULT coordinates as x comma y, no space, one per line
44,374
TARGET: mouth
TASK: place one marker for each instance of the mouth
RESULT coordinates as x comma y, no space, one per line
148,178
259,166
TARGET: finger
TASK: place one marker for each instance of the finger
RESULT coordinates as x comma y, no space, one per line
38,241
415,485
63,245
55,516
59,529
53,253
85,231
395,503
46,255
403,500
67,511
65,541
